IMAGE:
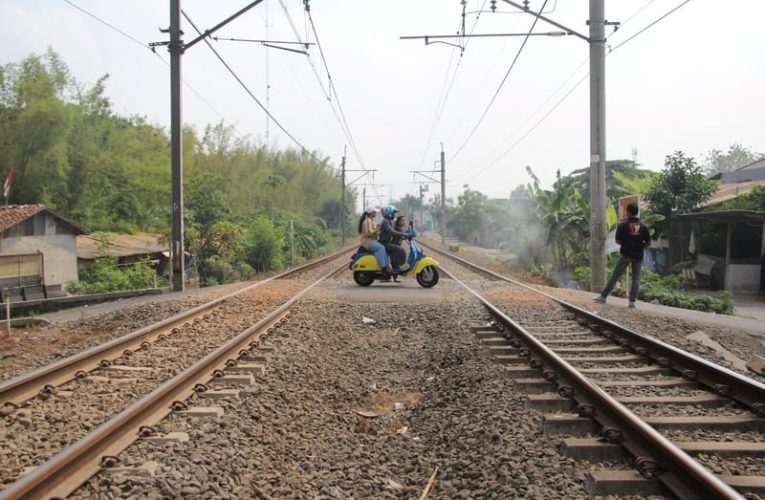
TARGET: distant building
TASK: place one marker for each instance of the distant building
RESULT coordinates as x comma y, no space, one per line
127,248
755,171
728,245
37,247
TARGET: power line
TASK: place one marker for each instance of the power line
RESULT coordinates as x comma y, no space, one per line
444,97
327,94
501,84
651,25
332,87
247,89
571,91
145,46
107,24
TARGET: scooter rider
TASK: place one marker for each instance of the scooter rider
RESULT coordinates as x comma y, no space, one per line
387,232
369,231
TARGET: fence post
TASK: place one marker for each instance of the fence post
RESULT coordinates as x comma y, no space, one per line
7,297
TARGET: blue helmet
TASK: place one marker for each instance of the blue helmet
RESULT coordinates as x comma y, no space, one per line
390,211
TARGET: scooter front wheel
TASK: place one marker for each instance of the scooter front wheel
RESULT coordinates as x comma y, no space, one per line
363,278
428,277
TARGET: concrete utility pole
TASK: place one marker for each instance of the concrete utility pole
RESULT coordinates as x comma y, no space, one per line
443,195
597,145
176,150
177,47
342,199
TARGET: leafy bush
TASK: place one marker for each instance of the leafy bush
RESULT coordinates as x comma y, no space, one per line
665,290
104,275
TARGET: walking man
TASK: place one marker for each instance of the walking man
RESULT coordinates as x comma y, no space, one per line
633,237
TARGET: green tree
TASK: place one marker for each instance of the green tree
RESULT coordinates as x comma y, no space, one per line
680,187
736,157
264,245
465,219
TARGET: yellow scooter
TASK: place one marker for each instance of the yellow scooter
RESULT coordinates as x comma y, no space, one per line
366,269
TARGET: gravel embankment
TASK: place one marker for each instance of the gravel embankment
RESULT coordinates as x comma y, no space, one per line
435,400
43,426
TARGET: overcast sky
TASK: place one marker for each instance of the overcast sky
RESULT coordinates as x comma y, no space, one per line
692,82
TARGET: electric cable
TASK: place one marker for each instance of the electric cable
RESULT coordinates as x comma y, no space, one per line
571,91
247,89
501,84
444,97
145,46
333,89
327,95
650,25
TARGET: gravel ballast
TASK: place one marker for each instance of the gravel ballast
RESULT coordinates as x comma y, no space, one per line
431,395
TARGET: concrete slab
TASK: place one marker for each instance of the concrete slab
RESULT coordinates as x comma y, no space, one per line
729,423
746,484
723,449
592,449
569,424
621,483
533,385
548,403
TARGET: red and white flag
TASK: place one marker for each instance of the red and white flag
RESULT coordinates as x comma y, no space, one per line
7,184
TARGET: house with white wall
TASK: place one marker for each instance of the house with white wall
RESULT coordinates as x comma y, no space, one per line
37,247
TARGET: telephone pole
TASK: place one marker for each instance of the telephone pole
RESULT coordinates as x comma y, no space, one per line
597,144
176,148
428,174
177,47
342,199
443,195
343,172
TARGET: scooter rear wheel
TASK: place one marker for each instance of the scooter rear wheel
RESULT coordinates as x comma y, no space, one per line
363,278
428,277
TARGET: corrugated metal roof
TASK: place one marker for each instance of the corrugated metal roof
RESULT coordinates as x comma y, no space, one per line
11,215
101,244
729,191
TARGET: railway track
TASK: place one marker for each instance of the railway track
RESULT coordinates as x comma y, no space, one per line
610,393
47,410
606,393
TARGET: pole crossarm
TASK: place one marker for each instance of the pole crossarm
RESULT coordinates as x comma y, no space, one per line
423,172
547,20
221,24
482,35
270,43
357,179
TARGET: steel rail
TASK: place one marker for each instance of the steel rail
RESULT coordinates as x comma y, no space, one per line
719,379
27,385
679,472
66,471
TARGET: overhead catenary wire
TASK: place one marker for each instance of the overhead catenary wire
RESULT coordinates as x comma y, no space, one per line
499,88
576,86
248,91
332,87
446,91
145,46
327,93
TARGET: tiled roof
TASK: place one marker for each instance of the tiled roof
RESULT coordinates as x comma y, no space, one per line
10,215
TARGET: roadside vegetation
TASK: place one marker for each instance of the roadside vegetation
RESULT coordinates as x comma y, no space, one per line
248,208
547,230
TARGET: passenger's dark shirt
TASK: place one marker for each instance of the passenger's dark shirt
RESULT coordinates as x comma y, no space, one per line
386,231
633,236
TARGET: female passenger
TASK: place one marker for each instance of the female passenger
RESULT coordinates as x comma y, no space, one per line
368,231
